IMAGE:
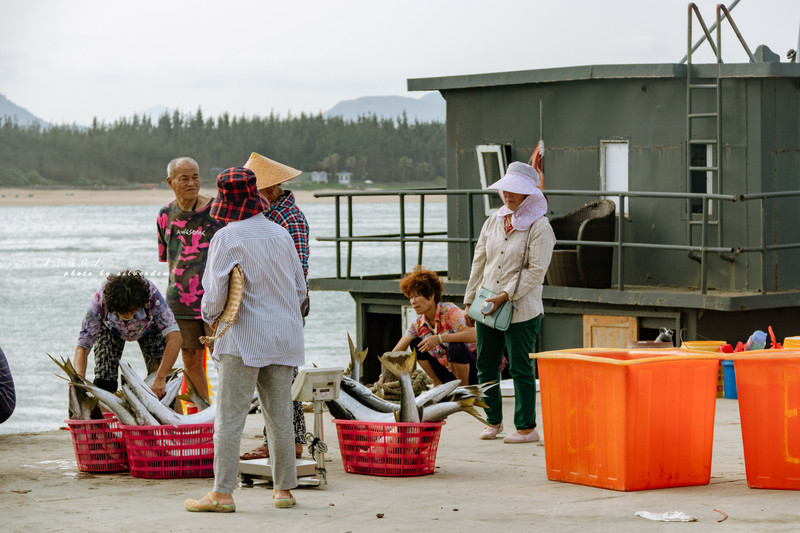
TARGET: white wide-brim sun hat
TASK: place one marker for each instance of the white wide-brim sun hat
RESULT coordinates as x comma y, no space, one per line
520,179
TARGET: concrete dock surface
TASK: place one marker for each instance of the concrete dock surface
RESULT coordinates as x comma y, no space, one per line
477,486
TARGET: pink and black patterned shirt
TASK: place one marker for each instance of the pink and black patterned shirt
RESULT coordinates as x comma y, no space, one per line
183,239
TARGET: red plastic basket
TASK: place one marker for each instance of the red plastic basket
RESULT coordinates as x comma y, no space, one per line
168,452
99,445
388,449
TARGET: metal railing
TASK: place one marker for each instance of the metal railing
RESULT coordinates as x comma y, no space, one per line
421,236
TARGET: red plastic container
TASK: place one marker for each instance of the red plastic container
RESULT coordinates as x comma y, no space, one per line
99,445
168,452
616,425
769,409
388,449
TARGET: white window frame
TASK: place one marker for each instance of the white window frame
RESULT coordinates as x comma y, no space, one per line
407,317
497,149
710,175
618,184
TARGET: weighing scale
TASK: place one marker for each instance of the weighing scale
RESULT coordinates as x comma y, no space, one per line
315,385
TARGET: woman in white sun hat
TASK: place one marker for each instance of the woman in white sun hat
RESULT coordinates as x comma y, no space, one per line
511,258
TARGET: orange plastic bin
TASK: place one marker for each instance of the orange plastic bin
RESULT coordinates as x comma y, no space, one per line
768,386
626,419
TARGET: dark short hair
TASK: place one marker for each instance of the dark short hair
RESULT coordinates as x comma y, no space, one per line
126,291
422,282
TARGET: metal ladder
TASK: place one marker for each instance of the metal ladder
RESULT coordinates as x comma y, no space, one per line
713,164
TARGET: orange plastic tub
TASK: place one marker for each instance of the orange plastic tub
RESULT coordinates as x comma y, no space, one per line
626,419
769,408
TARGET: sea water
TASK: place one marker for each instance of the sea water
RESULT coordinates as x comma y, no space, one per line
53,259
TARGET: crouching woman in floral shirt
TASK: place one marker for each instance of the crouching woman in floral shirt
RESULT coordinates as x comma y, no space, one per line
445,345
127,307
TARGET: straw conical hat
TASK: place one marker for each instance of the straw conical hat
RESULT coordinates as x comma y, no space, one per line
269,172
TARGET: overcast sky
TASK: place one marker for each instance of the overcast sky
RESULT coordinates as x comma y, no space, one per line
70,60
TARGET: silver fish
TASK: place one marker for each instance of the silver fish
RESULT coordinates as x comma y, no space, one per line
162,413
437,393
356,360
109,400
82,406
478,390
349,408
140,413
191,395
440,411
367,397
401,364
171,391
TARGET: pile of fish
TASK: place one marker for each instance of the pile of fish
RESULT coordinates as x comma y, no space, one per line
135,404
357,402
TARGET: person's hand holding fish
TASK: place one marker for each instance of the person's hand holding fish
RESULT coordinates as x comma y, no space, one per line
159,386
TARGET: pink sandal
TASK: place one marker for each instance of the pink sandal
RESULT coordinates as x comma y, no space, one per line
490,432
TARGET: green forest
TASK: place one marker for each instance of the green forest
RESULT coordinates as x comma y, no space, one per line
135,151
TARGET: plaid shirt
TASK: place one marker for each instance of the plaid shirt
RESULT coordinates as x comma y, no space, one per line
284,211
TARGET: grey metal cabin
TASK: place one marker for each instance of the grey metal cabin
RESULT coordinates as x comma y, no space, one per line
701,160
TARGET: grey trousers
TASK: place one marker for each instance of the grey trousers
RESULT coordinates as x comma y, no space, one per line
234,393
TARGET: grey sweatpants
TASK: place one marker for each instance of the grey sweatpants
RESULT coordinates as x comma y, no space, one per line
234,393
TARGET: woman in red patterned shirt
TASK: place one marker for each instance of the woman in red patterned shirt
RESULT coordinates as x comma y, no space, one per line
445,345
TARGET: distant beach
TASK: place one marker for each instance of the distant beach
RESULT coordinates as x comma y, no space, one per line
26,197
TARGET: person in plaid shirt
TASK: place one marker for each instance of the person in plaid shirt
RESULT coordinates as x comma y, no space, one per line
283,211
445,345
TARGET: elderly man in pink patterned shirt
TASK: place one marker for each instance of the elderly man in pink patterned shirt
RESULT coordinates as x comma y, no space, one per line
185,228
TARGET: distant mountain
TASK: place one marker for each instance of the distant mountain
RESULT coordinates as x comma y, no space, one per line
22,116
429,108
154,112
